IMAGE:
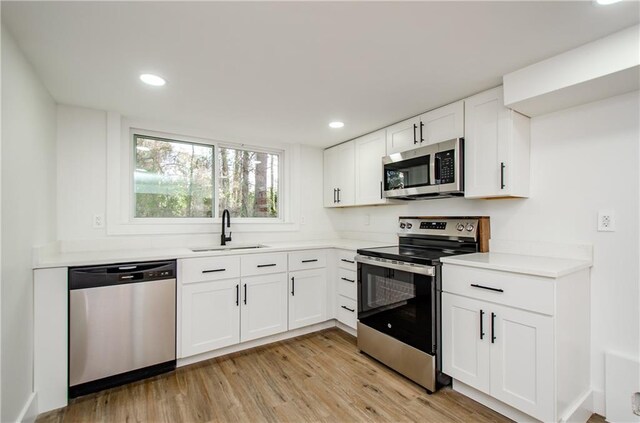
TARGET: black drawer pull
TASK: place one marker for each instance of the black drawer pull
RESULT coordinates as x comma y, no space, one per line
213,270
347,308
348,261
309,261
348,280
267,265
475,285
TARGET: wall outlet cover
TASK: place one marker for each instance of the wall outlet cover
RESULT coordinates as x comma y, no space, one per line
98,221
606,221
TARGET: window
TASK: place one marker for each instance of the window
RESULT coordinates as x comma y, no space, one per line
178,179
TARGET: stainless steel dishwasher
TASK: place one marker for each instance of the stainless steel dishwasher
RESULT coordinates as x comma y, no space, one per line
122,324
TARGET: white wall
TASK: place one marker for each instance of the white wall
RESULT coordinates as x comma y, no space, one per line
28,214
82,184
583,160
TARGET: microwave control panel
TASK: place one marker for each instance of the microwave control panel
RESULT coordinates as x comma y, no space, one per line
446,171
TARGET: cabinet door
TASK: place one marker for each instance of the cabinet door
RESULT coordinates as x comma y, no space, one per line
443,124
369,151
522,368
210,316
465,349
345,175
484,144
307,297
403,136
330,184
264,306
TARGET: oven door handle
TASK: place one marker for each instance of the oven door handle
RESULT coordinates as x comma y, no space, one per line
405,267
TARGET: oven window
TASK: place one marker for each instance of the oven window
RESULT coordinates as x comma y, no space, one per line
397,303
407,173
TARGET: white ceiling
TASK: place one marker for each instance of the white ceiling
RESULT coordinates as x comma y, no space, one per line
267,72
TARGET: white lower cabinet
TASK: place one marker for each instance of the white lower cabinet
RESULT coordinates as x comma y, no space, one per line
307,297
501,351
210,316
264,306
502,340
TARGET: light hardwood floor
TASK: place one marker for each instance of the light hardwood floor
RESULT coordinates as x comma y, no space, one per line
313,378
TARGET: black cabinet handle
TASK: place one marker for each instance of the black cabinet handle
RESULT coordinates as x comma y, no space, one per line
245,293
213,270
381,190
348,280
481,323
293,286
267,265
237,295
334,195
338,195
415,139
502,175
421,136
348,261
493,322
475,285
347,308
310,261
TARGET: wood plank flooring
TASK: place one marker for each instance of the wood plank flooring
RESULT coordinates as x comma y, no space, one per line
320,377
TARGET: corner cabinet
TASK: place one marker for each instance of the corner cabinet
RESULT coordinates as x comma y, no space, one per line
497,143
353,172
522,340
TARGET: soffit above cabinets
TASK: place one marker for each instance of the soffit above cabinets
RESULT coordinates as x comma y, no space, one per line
273,72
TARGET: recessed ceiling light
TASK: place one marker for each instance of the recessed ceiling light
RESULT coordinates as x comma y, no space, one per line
152,79
336,125
606,2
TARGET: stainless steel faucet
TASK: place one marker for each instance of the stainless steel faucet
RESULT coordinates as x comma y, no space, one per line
223,237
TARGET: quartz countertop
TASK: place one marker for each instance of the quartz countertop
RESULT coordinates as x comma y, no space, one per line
88,258
551,267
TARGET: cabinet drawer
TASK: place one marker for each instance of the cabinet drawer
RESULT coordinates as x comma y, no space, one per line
347,283
347,311
515,290
208,268
262,264
347,260
310,259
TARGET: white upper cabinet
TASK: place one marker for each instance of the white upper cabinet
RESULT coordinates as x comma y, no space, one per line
496,148
339,175
353,172
403,135
438,125
369,151
443,124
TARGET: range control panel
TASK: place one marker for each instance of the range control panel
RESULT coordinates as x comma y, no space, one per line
445,227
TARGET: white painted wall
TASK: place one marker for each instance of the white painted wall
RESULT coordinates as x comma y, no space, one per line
583,160
82,192
28,214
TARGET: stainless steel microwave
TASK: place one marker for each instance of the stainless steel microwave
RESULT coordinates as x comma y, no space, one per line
433,171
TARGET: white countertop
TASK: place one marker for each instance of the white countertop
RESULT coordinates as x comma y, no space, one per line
551,267
87,258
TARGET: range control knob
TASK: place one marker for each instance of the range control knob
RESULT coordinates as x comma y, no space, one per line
469,227
409,225
402,225
460,227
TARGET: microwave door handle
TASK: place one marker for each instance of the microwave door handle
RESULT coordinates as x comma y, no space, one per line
432,168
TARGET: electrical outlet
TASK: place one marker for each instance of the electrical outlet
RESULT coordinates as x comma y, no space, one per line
98,221
606,222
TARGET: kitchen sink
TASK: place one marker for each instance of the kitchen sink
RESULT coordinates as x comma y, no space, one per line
228,248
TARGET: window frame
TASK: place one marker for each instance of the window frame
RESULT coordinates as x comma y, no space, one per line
119,221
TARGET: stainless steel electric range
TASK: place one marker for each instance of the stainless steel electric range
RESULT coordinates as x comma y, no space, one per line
399,293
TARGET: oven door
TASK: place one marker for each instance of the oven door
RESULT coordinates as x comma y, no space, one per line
399,303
